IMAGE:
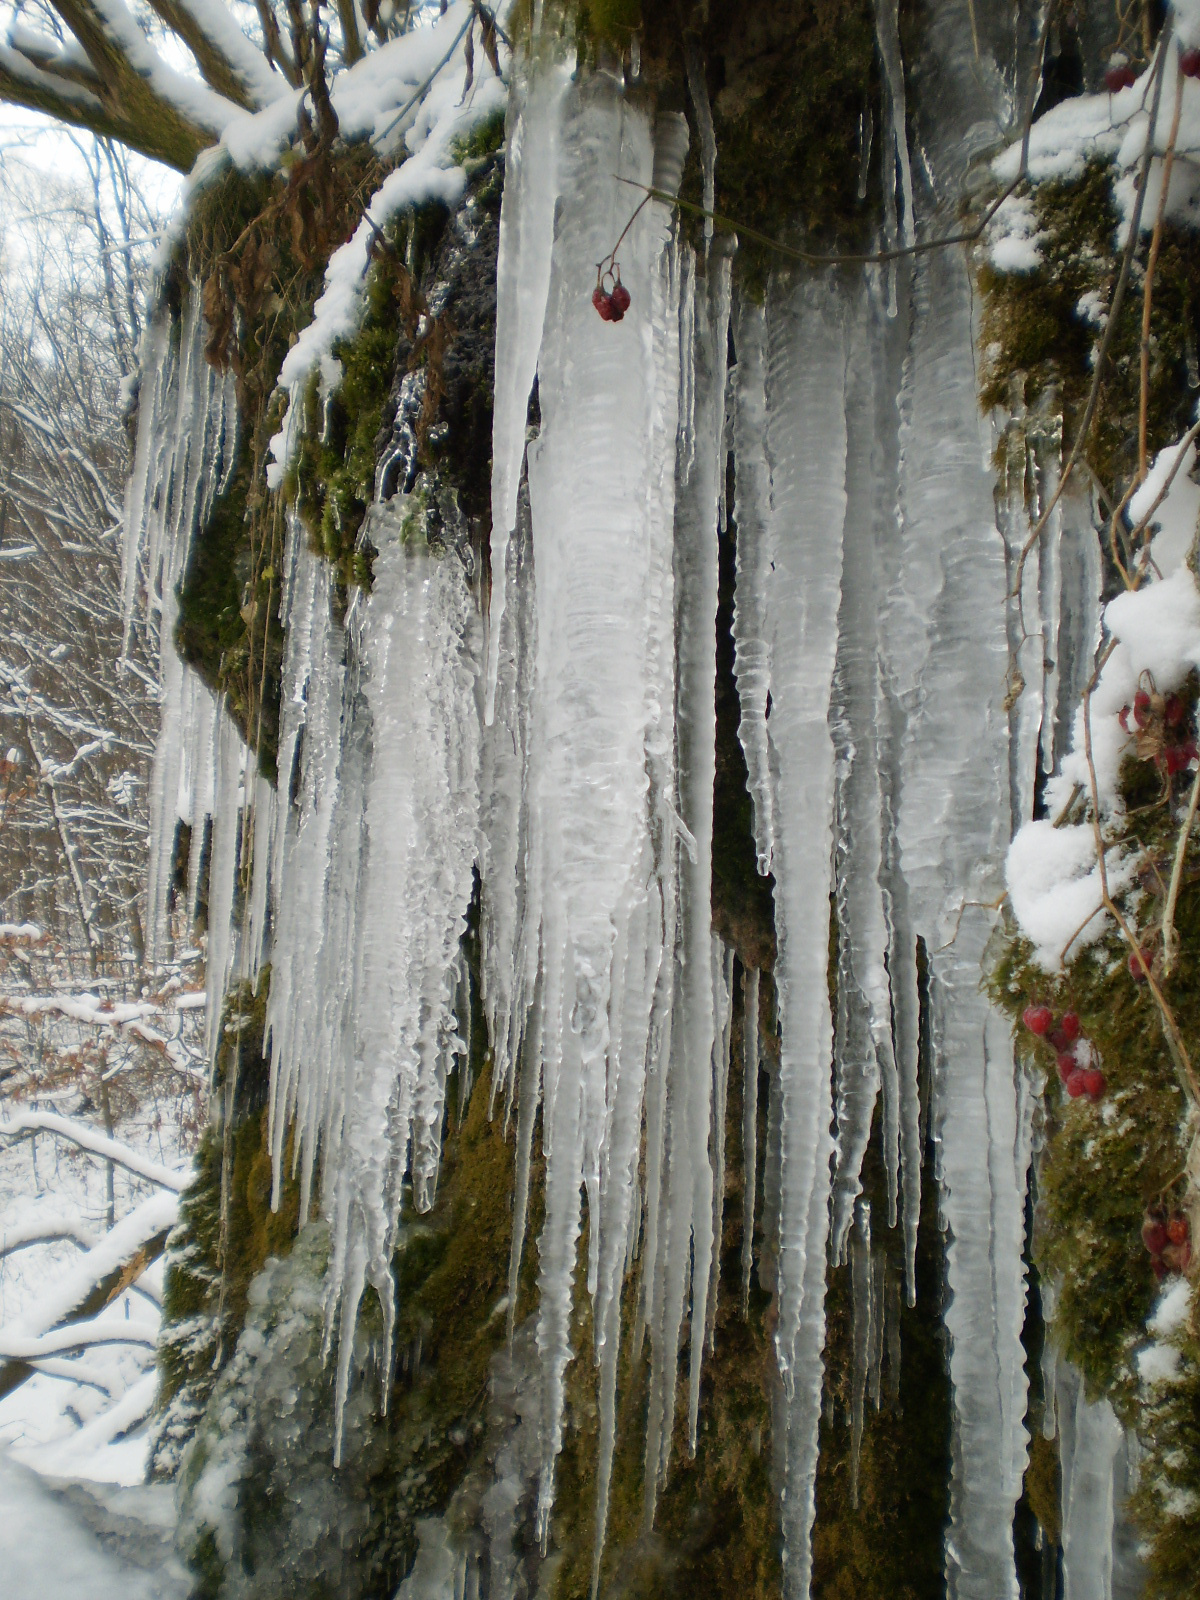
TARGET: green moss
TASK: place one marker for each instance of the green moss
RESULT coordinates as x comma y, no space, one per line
485,139
420,365
209,1268
1167,1502
229,628
350,1532
890,1545
716,1527
1104,1164
1035,335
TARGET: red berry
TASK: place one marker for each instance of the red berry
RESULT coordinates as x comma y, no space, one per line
1067,1065
1094,1083
1177,1229
603,304
1070,1026
1117,78
1189,63
1155,1236
1158,1267
1135,965
1076,1085
620,298
1141,708
1174,709
1176,758
1037,1018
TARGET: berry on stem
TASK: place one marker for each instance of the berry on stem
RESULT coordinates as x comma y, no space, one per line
620,300
1177,1229
1094,1083
1141,708
1189,63
1037,1019
1070,1026
1155,1236
1067,1065
603,304
1136,959
1119,76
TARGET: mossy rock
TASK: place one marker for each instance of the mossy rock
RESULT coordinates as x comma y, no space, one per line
209,1265
1036,336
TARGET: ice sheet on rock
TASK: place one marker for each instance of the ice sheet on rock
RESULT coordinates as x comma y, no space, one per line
182,456
309,751
591,474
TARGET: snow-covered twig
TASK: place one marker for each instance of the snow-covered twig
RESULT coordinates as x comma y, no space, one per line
27,1123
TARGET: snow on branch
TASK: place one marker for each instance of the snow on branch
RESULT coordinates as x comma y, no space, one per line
49,1227
124,1252
27,1123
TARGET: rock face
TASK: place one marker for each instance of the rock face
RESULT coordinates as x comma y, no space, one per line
646,743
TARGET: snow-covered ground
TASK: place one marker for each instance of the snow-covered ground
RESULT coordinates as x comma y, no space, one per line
61,1544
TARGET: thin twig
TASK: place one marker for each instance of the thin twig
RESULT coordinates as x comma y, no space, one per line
1170,941
1151,265
1110,329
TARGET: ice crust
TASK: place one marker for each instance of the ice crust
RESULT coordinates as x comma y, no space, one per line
567,758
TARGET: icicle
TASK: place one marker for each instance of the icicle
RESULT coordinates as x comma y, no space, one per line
863,1311
749,1123
693,56
947,654
531,187
887,34
755,558
807,442
419,655
1090,1440
722,967
865,1058
223,872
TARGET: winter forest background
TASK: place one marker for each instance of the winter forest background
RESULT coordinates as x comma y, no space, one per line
598,866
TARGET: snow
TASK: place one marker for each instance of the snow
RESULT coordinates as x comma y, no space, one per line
47,1553
1170,1315
1054,888
365,99
96,1144
1159,1364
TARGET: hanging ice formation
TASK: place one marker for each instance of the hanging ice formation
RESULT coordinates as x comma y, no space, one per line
569,758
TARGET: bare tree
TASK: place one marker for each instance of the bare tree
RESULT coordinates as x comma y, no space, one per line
77,723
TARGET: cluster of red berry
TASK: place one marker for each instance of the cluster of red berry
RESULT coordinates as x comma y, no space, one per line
1174,749
612,304
1168,1240
1073,1054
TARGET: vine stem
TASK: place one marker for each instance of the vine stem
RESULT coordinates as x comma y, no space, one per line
1151,265
1174,1038
1170,939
